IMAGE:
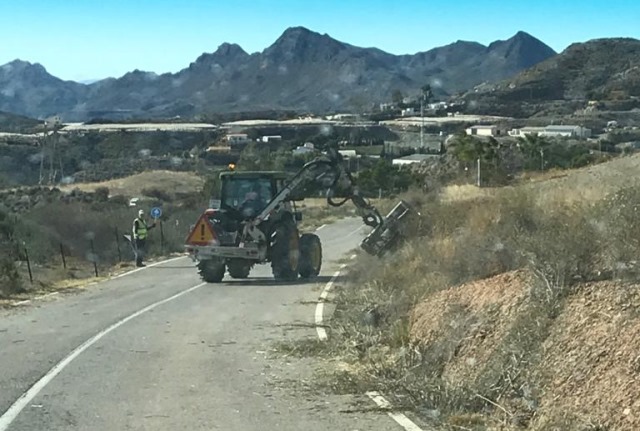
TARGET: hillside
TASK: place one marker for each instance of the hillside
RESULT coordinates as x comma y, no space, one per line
513,308
171,182
301,70
601,69
11,123
28,89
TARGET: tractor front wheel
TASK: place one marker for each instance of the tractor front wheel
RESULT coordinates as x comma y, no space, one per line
211,271
239,268
310,255
285,252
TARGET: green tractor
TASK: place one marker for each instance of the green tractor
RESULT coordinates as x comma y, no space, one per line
238,244
255,221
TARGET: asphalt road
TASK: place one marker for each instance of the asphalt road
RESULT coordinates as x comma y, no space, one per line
197,361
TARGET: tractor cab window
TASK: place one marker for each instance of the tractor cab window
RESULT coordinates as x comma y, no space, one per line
247,195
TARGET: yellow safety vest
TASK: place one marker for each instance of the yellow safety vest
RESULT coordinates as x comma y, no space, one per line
139,231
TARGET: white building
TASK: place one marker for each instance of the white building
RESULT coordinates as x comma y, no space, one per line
522,132
271,138
348,154
408,112
413,158
52,122
566,132
438,105
483,131
308,147
237,138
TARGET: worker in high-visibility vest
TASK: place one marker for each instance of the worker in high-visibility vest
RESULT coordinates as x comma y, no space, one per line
140,232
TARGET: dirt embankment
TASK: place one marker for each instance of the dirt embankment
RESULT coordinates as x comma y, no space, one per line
583,371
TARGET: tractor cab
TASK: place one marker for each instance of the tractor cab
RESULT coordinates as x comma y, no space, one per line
247,193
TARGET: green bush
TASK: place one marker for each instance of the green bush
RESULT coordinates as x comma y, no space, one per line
101,194
384,177
10,282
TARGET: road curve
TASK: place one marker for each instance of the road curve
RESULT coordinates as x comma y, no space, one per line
160,351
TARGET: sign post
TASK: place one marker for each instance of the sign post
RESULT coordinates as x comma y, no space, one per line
156,213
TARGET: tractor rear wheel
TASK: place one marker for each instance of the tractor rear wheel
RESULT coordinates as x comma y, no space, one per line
211,271
310,255
285,252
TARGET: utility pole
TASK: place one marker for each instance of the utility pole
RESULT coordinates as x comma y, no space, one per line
541,159
42,145
425,96
422,121
52,153
478,180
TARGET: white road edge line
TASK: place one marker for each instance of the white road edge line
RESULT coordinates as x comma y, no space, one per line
321,227
151,265
10,415
400,418
322,333
376,397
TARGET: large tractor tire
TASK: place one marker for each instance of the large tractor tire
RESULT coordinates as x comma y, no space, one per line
211,271
310,255
285,253
238,268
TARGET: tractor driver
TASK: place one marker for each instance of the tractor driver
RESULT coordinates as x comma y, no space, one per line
254,201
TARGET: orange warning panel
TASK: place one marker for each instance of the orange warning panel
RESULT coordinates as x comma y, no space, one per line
202,233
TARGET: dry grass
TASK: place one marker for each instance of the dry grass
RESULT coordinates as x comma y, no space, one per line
171,181
485,346
583,185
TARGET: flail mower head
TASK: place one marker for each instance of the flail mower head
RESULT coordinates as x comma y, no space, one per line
392,232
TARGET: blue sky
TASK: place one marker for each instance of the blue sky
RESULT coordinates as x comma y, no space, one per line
87,39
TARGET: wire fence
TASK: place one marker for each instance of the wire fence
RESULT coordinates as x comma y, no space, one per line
66,241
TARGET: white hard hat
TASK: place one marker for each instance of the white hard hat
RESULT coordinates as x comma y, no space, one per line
140,213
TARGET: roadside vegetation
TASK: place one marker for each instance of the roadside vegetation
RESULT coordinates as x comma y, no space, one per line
60,235
511,308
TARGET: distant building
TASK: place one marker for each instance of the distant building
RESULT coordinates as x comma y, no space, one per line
237,138
305,149
271,138
408,112
437,105
413,158
342,117
348,154
566,132
214,149
52,122
387,107
483,131
522,132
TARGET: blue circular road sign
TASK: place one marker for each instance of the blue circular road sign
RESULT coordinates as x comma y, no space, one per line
156,212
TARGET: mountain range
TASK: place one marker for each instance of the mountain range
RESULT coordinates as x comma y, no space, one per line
301,70
600,69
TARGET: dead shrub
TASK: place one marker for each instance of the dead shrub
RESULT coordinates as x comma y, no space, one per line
101,194
10,282
561,242
157,193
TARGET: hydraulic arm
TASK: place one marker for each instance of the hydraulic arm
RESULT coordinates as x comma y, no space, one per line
329,173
